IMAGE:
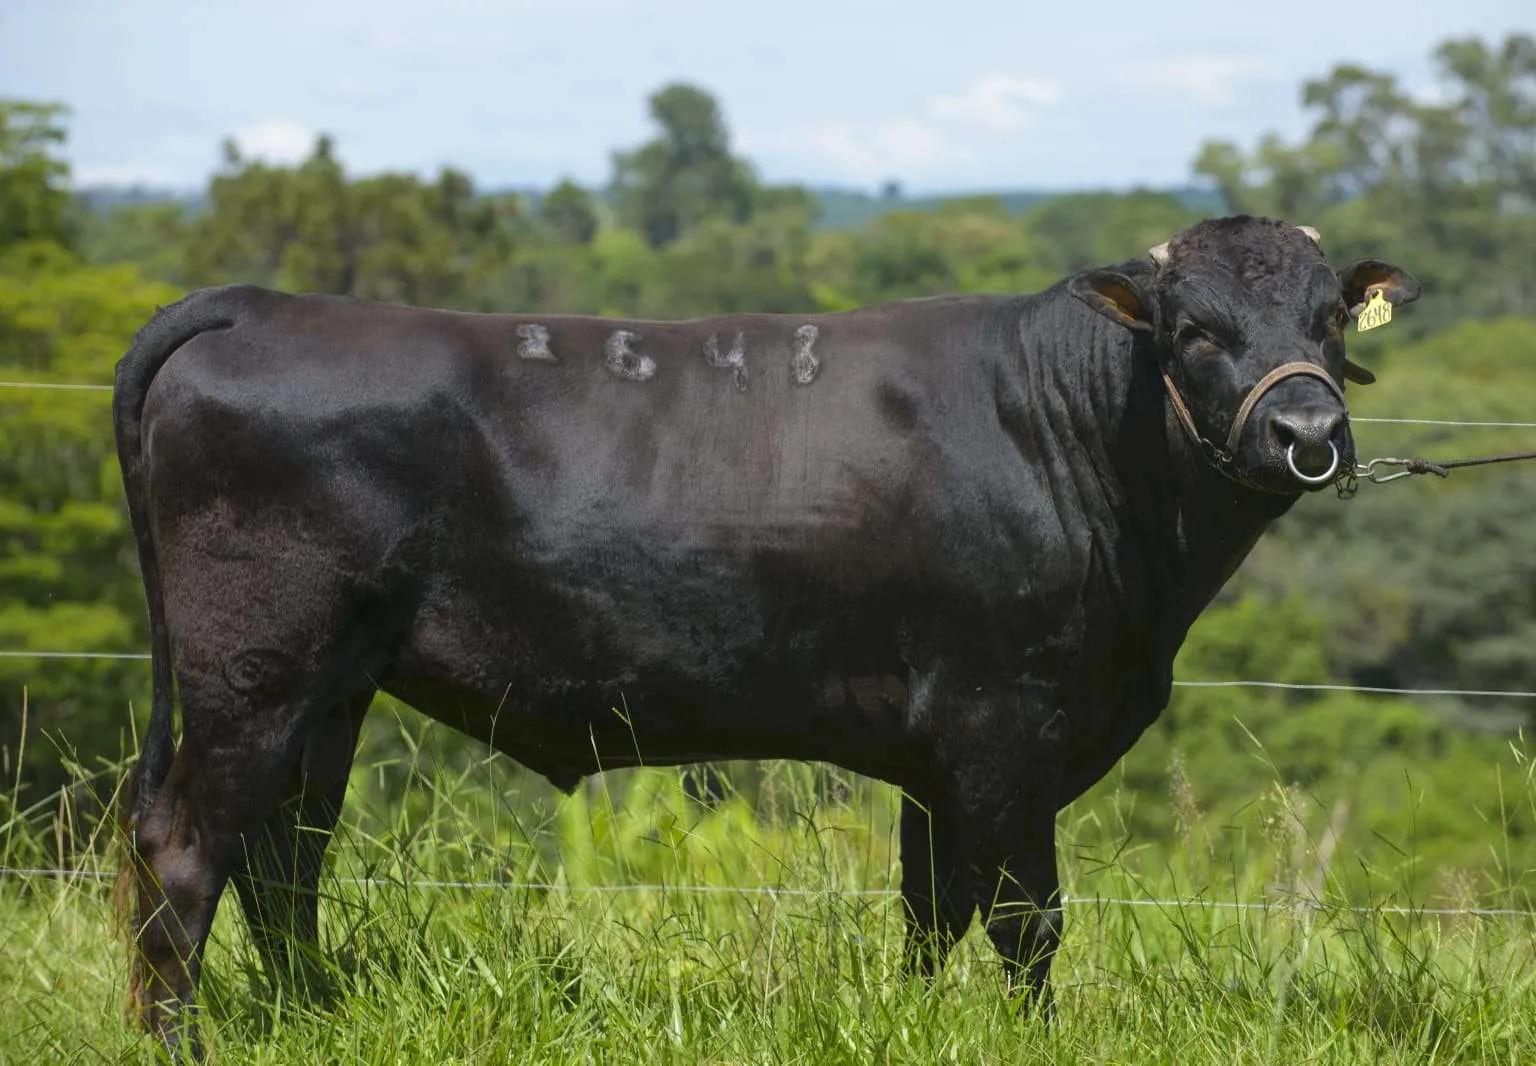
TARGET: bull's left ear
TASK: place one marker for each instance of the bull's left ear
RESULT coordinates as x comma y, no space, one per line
1116,297
1396,284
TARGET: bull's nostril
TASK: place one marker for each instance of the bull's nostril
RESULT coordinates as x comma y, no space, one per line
1309,442
1307,429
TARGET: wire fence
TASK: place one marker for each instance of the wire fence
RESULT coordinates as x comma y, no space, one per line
61,386
13,873
1293,686
1236,683
8,873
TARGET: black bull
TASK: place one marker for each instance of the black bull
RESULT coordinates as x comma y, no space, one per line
951,543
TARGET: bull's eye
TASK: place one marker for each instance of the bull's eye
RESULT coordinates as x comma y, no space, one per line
1332,323
1193,335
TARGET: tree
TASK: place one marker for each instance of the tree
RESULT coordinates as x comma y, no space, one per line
568,214
67,569
1430,583
151,236
684,177
310,228
1496,105
34,202
1449,185
274,226
1079,230
723,268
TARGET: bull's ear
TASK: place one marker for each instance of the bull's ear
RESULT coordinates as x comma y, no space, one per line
1353,371
1116,297
1396,284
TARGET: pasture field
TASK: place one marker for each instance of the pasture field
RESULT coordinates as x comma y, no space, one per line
648,926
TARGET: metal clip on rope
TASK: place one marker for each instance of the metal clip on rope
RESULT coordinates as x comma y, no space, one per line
1371,473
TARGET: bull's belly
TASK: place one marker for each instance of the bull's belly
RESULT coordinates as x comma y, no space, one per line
571,673
565,715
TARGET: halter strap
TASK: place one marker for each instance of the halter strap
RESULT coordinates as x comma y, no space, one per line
1269,381
1223,459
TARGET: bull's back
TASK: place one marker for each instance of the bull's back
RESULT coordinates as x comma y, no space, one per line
736,428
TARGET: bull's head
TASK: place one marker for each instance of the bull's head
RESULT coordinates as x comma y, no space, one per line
1248,319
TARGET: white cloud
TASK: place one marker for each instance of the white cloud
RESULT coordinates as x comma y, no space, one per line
894,146
278,141
1206,79
999,103
946,129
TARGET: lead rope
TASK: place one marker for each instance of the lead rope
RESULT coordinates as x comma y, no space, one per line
1348,485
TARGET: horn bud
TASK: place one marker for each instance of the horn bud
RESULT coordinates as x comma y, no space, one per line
1159,254
1317,238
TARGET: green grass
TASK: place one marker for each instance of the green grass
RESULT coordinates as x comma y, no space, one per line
575,973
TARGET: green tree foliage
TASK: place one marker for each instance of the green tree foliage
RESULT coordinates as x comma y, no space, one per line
152,237
687,175
67,576
67,569
568,214
32,178
1448,185
723,268
1410,795
389,237
1080,230
1427,583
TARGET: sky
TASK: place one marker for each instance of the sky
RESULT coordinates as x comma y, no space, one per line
945,96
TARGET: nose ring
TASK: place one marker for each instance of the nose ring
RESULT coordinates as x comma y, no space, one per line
1310,479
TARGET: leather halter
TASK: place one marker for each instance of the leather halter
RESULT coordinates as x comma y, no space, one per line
1222,459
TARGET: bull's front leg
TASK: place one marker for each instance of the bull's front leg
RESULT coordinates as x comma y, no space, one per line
935,888
1001,763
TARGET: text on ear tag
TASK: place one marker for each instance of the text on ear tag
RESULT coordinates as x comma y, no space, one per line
1377,312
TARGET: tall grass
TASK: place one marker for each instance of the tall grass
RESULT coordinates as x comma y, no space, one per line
643,925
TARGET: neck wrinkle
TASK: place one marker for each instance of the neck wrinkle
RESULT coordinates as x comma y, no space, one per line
1192,526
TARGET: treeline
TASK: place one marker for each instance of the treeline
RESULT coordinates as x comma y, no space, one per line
684,226
1417,585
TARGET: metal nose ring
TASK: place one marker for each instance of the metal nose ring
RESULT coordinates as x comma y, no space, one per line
1311,479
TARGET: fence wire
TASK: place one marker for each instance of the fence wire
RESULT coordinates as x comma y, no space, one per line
62,386
1295,686
9,873
775,891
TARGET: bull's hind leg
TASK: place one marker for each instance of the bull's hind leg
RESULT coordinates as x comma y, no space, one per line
935,889
222,784
262,656
278,881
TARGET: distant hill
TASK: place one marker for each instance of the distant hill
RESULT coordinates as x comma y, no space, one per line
850,209
108,197
841,208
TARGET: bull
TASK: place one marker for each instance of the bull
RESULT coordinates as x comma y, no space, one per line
952,543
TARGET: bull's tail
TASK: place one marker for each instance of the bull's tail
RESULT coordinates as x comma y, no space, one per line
161,336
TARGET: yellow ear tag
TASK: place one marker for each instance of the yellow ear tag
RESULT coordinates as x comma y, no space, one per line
1376,312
